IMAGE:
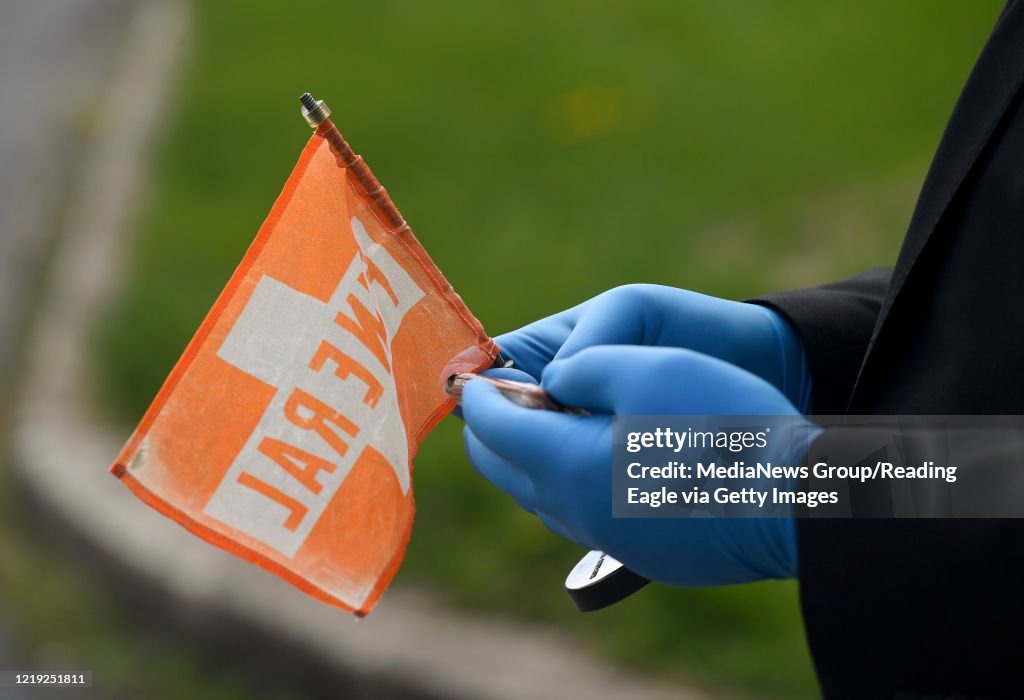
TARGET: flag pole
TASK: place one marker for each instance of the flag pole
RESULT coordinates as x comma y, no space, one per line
317,115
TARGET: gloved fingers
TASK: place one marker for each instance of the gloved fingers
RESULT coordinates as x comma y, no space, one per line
499,471
630,380
774,539
511,480
532,439
615,379
617,317
557,527
511,373
795,378
654,315
533,346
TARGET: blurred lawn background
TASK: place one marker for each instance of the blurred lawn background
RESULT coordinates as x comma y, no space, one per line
544,152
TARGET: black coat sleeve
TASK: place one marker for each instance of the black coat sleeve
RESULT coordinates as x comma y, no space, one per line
835,322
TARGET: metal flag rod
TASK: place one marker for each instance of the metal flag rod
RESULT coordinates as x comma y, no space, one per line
317,115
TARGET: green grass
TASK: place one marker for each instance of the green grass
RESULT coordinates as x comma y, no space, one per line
543,152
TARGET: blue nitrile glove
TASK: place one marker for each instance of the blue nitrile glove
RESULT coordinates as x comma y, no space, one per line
558,466
747,335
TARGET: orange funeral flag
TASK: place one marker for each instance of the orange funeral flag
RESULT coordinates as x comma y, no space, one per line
285,433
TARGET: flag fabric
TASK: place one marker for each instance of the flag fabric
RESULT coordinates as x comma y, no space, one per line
285,433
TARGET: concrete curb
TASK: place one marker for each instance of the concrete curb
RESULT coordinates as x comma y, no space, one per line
410,646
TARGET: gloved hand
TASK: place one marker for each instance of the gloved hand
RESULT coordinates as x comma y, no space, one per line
558,466
747,335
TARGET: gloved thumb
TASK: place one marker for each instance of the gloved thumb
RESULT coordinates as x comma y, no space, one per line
636,380
615,379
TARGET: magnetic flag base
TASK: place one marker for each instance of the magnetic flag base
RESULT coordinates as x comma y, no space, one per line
599,580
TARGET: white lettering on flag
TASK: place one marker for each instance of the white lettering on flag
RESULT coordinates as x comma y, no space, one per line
331,365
